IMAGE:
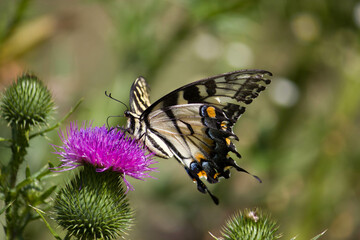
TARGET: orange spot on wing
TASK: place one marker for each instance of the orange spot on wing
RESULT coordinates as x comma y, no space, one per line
223,125
202,174
199,157
228,141
211,112
227,168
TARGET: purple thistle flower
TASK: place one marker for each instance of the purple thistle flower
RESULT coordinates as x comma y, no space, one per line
104,149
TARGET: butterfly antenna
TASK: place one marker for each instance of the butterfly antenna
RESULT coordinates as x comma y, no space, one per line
107,121
118,127
117,100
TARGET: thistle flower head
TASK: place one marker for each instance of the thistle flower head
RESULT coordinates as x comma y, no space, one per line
106,150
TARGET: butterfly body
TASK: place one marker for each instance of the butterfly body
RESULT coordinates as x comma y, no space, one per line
194,123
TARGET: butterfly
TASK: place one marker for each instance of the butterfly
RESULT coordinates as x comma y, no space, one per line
194,123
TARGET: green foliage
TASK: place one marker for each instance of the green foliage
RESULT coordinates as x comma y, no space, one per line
93,205
26,103
29,193
314,238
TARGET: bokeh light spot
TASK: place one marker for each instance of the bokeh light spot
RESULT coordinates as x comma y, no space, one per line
284,92
305,27
207,47
239,55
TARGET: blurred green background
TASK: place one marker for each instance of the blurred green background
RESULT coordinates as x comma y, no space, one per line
301,136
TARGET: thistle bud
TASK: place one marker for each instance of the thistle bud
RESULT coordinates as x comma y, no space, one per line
251,224
93,205
27,102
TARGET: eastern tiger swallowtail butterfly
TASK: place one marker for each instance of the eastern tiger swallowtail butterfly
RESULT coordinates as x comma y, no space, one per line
194,123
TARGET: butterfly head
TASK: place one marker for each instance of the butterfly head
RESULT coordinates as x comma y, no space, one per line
127,114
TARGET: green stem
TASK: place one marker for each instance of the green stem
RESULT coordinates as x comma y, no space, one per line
20,141
17,217
41,214
5,139
58,123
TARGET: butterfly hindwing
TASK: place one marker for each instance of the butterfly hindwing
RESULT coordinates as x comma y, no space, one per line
194,123
200,138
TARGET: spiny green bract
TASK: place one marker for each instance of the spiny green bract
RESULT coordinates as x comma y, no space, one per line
27,102
93,205
250,225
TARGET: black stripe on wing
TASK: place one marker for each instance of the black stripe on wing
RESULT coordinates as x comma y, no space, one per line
139,96
200,136
195,121
228,92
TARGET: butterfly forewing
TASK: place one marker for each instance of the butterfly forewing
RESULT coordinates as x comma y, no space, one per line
139,96
194,123
226,91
